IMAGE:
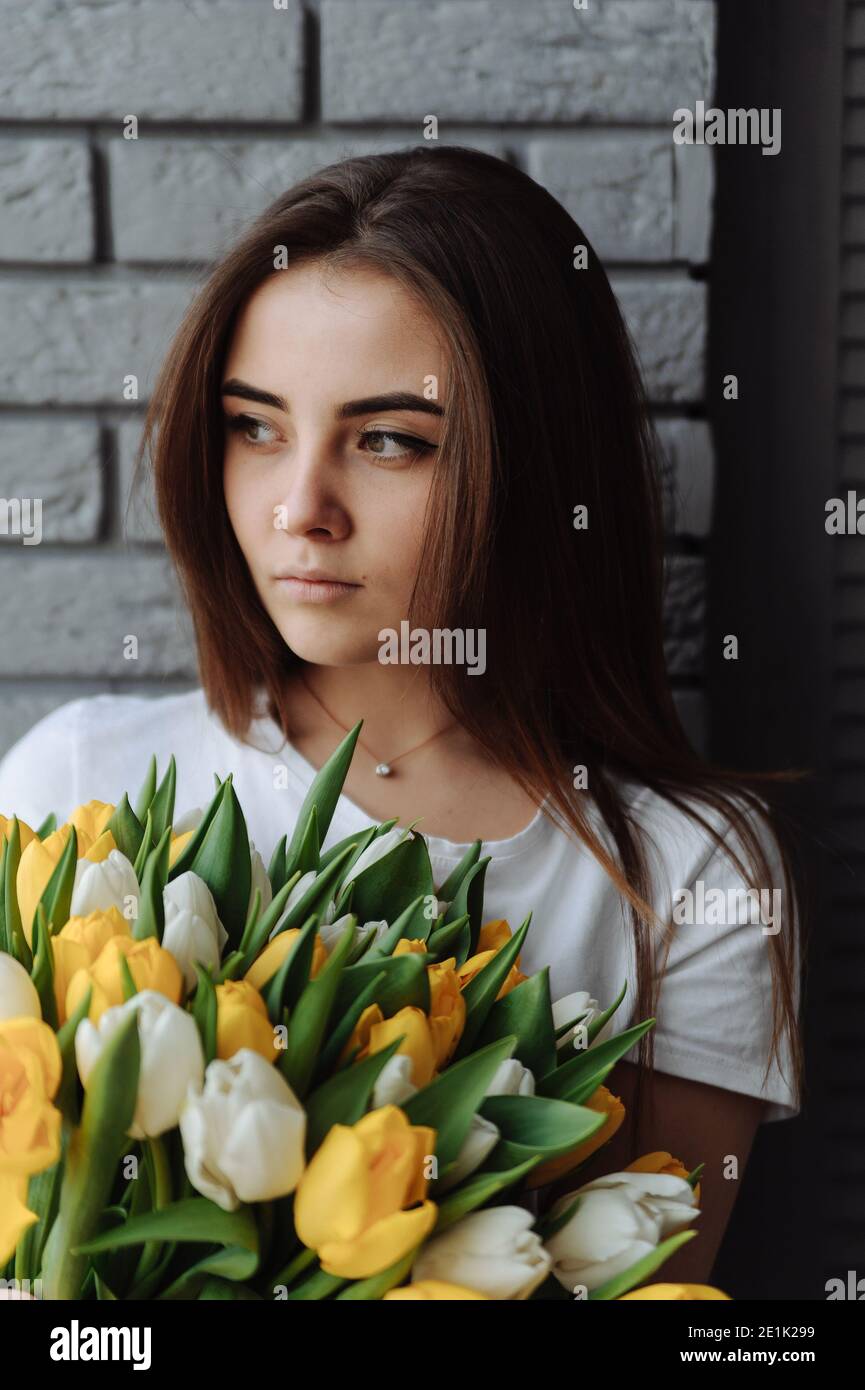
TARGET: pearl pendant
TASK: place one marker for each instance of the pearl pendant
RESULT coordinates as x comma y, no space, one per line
383,770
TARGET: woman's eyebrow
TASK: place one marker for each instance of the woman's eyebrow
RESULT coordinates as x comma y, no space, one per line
392,400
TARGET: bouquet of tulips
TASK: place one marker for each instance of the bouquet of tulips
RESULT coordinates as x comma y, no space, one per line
324,1079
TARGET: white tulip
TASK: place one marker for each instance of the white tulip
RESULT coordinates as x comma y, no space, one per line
394,1084
494,1251
478,1144
571,1006
620,1218
511,1078
259,880
377,849
18,994
172,1057
193,931
106,884
190,820
243,1133
330,932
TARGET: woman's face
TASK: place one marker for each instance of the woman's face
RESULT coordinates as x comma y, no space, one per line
330,443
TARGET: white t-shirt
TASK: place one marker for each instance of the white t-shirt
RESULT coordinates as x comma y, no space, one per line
714,1011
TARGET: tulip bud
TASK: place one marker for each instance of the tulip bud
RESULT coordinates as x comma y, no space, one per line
172,1058
494,1250
243,1132
109,883
620,1218
242,1021
151,967
193,932
571,1006
18,994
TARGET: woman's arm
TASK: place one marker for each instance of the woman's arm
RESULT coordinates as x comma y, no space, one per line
696,1123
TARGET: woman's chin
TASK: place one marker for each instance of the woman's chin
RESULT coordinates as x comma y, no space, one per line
323,648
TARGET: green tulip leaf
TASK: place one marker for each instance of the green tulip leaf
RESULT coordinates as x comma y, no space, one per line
469,899
127,829
480,993
579,1078
323,794
451,885
527,1012
450,1100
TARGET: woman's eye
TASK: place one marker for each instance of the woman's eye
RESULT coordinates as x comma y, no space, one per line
251,430
385,444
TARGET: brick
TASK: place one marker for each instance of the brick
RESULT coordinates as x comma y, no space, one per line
618,186
74,611
485,60
667,319
689,475
57,461
75,340
694,185
138,520
45,201
685,615
105,59
187,199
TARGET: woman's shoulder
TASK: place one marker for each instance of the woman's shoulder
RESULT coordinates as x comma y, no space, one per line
687,836
96,746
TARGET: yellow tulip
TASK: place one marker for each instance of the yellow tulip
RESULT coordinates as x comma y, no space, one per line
416,1044
475,964
356,1204
605,1103
266,965
435,1291
360,1034
679,1292
177,844
662,1162
78,945
242,1021
491,938
447,1014
151,967
91,818
30,1070
24,831
493,935
409,946
40,859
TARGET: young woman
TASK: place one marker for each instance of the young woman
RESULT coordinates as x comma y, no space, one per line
385,408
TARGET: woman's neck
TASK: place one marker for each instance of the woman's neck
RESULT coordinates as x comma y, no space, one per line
396,704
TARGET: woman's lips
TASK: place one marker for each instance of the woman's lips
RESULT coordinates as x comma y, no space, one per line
316,590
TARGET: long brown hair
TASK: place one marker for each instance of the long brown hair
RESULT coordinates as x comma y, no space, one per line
546,411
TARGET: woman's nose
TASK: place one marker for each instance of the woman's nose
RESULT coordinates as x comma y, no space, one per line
308,501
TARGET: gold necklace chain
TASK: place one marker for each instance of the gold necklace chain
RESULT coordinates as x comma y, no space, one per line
382,769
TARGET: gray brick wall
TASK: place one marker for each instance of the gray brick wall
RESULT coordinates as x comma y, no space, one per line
103,238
